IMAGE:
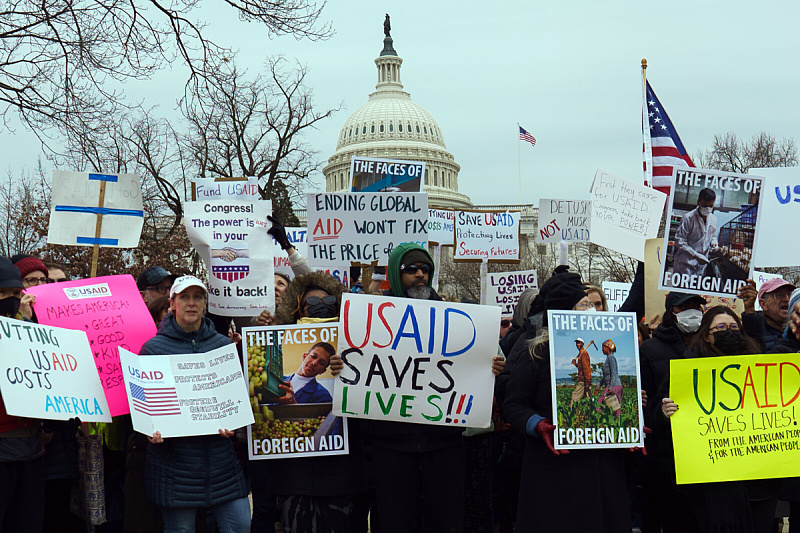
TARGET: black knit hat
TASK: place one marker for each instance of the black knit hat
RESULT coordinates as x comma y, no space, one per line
10,278
564,296
538,305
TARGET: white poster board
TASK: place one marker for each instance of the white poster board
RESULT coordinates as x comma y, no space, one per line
491,236
616,293
186,394
49,372
231,237
361,228
209,189
441,225
421,361
372,174
504,288
780,207
74,208
760,278
624,213
299,239
565,220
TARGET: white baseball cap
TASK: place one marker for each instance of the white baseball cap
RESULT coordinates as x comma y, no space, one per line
184,282
576,340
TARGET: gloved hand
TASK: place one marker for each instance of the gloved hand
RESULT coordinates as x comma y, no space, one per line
545,430
702,259
279,233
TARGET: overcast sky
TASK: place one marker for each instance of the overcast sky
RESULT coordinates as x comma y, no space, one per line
568,72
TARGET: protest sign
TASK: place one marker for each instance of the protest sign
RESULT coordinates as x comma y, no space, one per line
441,224
737,418
363,228
291,391
370,174
616,292
760,278
596,396
564,220
654,298
209,189
48,372
112,314
76,203
183,395
709,253
298,237
624,213
780,203
231,237
504,288
487,236
421,361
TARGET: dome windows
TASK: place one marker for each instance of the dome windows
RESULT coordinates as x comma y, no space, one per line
417,128
425,128
409,127
372,128
400,127
381,128
364,131
391,128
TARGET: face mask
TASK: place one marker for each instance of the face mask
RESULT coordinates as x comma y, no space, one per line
727,341
9,307
689,321
705,211
591,309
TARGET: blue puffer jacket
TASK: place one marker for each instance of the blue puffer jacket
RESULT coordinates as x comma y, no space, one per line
197,471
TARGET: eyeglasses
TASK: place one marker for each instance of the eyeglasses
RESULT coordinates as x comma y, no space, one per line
56,280
724,327
34,281
505,323
780,295
583,306
160,289
314,300
412,269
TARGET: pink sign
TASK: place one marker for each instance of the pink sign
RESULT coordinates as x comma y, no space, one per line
111,312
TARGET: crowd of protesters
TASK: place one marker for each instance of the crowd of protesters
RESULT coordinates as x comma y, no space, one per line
403,477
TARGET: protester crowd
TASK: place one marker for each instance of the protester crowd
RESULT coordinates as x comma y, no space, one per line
403,477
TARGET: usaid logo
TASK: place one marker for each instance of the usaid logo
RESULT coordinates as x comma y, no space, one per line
90,291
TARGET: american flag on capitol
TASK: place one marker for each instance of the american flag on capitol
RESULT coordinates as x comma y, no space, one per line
155,401
666,147
525,136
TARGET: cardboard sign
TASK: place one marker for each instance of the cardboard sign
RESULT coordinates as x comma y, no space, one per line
74,208
441,225
564,220
291,391
112,314
504,288
487,236
616,293
370,174
184,395
594,372
624,213
779,205
49,372
231,237
362,228
760,278
737,417
419,361
710,253
210,189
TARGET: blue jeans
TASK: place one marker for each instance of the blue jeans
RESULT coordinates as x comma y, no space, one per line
231,517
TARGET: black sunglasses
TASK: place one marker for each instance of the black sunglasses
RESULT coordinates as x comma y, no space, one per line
314,300
412,269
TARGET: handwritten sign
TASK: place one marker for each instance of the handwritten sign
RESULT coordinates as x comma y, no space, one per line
231,237
209,189
738,417
299,239
564,220
74,209
780,203
370,174
187,394
616,293
111,312
624,213
48,372
601,350
363,228
504,288
710,252
294,356
487,236
417,361
441,225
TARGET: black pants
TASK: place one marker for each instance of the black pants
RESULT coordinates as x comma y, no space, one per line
416,489
22,496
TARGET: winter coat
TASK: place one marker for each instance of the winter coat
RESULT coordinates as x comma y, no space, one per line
694,239
199,471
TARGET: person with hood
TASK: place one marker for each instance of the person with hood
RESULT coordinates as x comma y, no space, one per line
183,474
518,320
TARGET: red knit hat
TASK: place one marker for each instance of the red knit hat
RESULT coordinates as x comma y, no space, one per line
29,264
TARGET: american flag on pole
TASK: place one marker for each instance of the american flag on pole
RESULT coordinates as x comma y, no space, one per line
667,150
155,401
525,136
230,273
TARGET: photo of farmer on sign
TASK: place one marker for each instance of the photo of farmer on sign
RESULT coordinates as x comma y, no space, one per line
595,375
291,391
711,230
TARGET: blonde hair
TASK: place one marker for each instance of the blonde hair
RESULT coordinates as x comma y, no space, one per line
535,344
601,292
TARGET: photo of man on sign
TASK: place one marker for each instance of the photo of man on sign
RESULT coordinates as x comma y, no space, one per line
302,386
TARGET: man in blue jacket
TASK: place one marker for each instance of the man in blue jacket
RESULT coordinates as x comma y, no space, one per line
302,386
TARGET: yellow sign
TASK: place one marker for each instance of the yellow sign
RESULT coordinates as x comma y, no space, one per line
737,417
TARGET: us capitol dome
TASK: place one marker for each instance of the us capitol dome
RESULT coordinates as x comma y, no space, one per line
390,126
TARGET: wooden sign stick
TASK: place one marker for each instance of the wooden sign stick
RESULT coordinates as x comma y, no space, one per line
97,228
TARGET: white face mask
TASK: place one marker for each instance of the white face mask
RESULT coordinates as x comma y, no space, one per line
689,321
705,211
591,309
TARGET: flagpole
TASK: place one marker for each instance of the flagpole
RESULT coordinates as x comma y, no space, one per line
519,166
647,143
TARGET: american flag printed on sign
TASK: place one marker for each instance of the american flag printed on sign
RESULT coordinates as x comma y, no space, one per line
155,401
230,273
666,146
